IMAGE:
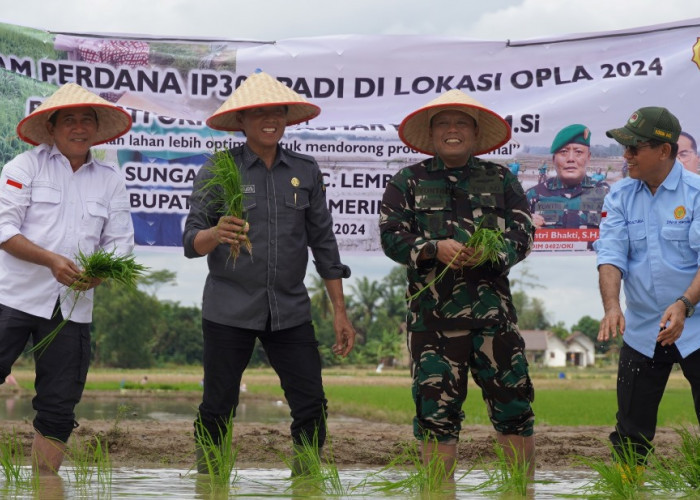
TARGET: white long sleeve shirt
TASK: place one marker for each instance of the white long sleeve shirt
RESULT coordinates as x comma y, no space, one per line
62,211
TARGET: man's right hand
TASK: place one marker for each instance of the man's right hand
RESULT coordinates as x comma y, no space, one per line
64,270
612,323
230,230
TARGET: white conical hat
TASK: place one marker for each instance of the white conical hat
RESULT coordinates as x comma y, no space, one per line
494,131
260,89
112,121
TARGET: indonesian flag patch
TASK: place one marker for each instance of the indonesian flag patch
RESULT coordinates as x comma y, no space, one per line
16,184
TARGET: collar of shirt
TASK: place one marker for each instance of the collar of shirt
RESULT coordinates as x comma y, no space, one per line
55,153
670,183
250,158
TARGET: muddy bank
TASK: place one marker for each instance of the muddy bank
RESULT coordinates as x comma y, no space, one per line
135,443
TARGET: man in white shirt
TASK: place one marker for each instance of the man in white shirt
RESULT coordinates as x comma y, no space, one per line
56,200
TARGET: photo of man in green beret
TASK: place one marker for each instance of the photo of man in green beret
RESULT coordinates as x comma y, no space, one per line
571,199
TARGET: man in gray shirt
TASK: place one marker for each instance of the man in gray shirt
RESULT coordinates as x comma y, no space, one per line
257,290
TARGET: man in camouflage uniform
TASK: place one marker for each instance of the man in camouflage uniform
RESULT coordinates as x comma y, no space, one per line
570,199
465,322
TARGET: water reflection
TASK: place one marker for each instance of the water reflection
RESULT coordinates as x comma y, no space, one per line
267,483
143,408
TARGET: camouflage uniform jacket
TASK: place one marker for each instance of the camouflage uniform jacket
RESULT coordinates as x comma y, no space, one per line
562,206
425,202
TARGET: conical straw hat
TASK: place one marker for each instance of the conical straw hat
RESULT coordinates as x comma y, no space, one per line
112,121
260,89
494,131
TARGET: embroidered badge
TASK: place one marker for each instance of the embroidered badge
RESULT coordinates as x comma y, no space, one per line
16,184
679,212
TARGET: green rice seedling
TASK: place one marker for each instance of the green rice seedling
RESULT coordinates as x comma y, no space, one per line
122,410
103,464
508,474
679,473
226,189
12,460
217,459
79,454
103,265
313,472
491,242
622,478
416,477
89,459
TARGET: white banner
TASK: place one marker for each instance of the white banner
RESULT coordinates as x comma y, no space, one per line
365,86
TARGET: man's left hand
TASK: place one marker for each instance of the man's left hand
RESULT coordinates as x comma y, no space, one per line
672,323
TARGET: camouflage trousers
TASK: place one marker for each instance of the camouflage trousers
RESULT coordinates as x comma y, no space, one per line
494,355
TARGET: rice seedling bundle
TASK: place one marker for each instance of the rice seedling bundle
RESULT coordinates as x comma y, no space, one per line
103,265
490,242
226,189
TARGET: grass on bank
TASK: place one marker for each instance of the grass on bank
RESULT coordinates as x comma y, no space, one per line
584,397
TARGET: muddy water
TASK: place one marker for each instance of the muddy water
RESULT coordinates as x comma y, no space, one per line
109,408
267,483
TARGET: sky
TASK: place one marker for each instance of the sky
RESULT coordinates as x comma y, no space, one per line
567,285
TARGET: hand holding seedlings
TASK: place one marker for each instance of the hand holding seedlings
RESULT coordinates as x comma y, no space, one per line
88,271
225,184
455,254
485,245
231,230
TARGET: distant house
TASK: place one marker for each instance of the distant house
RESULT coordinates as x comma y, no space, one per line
580,350
544,348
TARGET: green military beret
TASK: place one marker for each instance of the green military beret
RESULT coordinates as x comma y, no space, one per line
577,134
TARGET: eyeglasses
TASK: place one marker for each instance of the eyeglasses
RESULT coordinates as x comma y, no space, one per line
634,150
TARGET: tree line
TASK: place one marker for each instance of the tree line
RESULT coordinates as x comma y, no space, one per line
134,329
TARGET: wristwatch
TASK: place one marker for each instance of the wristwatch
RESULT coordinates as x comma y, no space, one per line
430,250
689,307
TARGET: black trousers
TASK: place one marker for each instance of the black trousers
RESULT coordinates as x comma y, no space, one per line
293,353
61,369
641,382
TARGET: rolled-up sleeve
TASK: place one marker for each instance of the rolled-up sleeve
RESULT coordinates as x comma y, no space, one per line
319,228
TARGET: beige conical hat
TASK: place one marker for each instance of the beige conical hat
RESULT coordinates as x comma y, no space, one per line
112,121
260,89
494,131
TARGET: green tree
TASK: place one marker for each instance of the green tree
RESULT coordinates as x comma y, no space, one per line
531,312
178,336
366,297
154,280
589,327
394,294
124,322
319,295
